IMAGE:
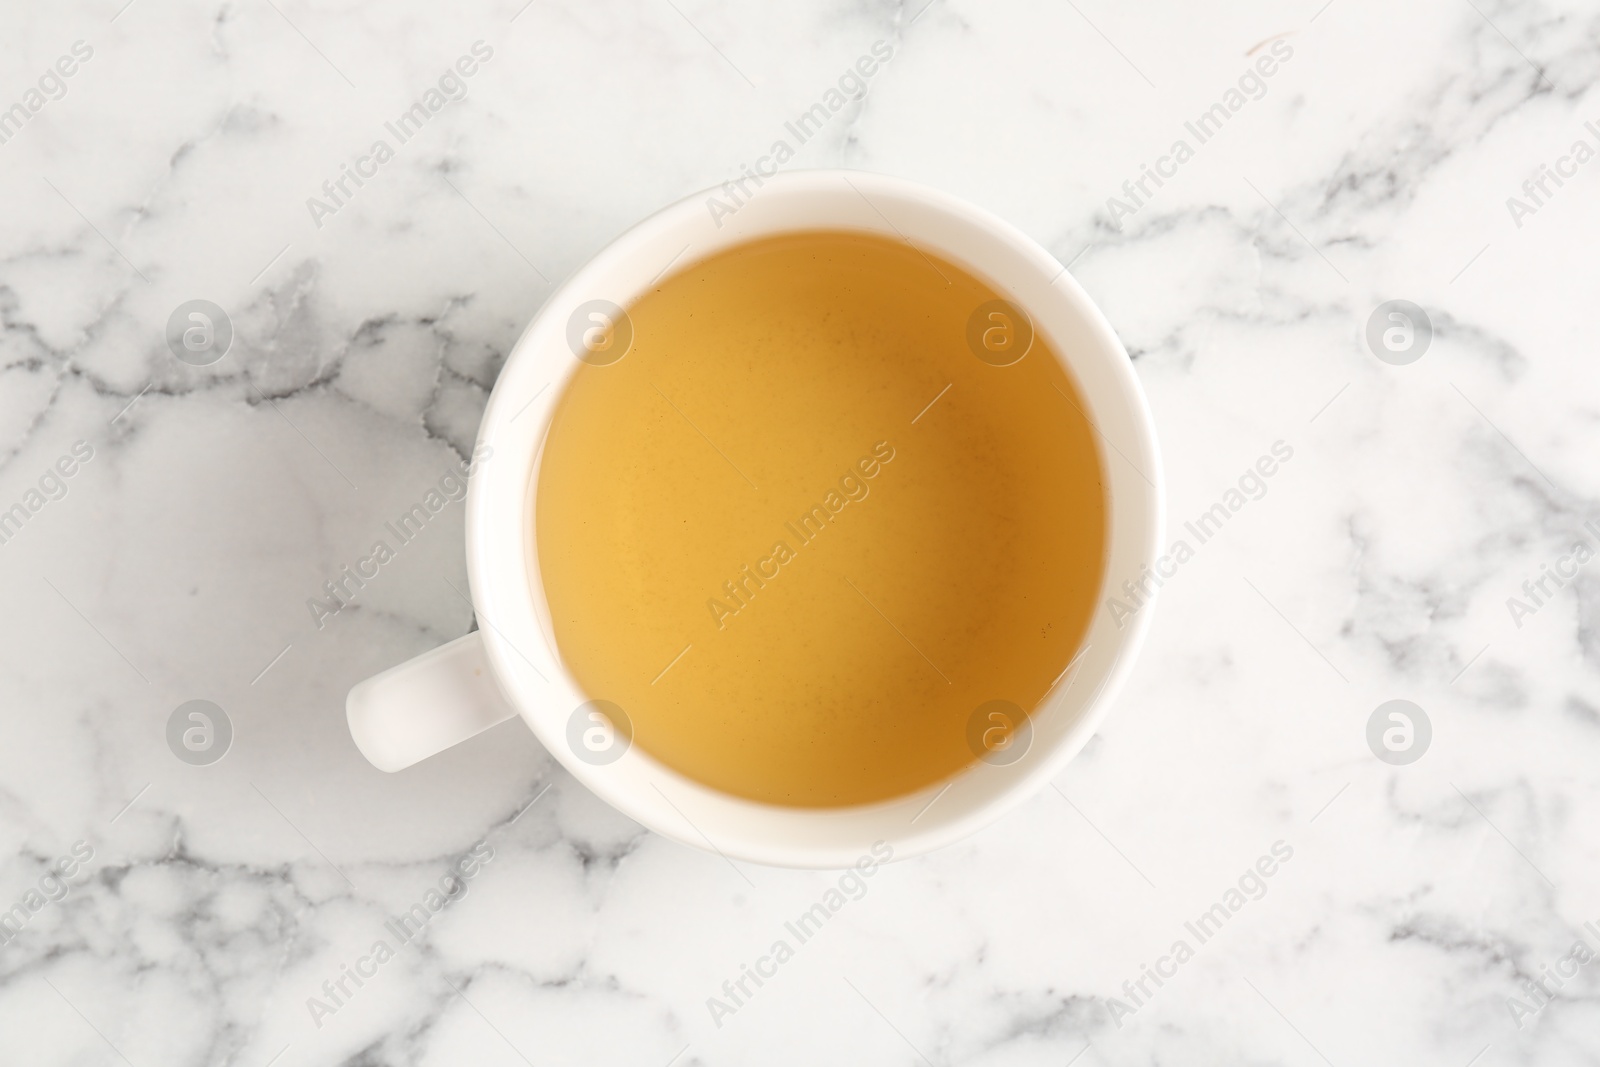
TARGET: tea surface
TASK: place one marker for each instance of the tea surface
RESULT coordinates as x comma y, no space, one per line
800,532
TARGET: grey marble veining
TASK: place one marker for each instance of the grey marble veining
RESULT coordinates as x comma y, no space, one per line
1426,913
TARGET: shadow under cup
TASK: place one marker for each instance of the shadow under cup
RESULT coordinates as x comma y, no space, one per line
675,475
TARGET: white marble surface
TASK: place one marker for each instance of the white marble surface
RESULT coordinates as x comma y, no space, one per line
1376,166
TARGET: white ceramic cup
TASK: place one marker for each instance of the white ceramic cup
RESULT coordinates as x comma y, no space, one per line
509,666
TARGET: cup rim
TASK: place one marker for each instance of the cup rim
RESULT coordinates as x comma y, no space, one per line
502,562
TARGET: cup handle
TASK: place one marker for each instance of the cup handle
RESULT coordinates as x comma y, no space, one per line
426,704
